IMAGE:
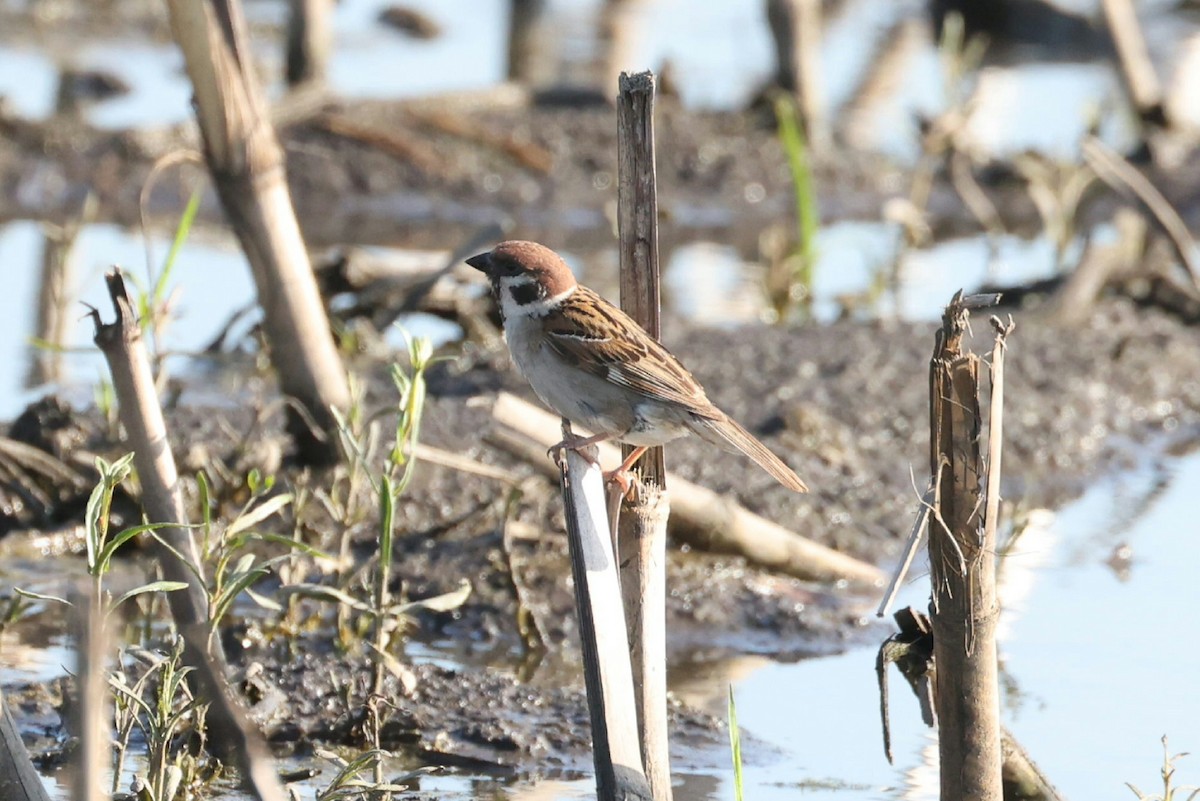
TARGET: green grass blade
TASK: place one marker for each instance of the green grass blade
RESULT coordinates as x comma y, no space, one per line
735,745
791,136
181,235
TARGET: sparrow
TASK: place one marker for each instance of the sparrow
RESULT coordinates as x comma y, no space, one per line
594,365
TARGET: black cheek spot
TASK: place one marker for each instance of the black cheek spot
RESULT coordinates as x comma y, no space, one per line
524,294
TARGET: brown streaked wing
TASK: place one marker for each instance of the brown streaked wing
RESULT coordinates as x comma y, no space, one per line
634,360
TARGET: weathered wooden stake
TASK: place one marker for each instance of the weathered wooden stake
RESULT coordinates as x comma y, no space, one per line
309,41
605,645
642,531
141,414
796,30
247,165
962,566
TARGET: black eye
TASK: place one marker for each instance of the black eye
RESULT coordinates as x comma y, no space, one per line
507,267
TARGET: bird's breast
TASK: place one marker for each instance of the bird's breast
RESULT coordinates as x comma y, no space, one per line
582,397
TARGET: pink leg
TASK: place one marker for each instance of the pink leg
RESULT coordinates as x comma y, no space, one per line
555,451
620,476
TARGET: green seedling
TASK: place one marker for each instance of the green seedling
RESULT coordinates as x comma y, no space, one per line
348,782
735,747
799,261
159,705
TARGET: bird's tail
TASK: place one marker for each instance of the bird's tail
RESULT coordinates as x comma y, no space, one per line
724,432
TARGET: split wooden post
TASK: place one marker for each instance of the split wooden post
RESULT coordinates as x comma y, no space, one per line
178,557
602,635
642,530
246,162
962,533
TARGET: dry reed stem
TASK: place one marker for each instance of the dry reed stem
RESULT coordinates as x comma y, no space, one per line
230,735
1123,177
642,526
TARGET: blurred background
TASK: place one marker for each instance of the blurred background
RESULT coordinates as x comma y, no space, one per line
818,161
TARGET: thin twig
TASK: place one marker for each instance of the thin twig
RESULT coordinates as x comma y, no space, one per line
910,551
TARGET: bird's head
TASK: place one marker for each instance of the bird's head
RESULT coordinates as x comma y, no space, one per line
527,277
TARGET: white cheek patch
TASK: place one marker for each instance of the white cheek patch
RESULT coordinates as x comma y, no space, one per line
536,308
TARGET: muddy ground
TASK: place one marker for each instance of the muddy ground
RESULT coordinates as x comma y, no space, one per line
847,402
423,172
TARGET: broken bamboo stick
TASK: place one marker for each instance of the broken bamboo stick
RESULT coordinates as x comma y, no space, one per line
963,606
246,162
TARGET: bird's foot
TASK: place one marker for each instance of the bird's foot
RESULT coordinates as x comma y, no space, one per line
621,477
622,480
577,444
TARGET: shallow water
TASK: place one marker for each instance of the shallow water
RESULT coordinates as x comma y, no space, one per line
1122,630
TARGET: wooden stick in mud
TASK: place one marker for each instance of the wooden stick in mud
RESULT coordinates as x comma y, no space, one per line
642,528
796,30
19,779
699,516
141,415
527,56
54,290
247,166
1137,69
309,41
607,672
962,552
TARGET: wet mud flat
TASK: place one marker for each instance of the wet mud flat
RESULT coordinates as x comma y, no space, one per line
846,404
424,172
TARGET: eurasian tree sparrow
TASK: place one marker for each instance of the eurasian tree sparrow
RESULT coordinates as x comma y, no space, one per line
592,364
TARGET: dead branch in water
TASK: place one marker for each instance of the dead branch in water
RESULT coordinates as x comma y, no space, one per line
19,780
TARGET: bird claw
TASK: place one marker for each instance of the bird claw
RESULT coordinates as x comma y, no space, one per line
622,479
578,445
